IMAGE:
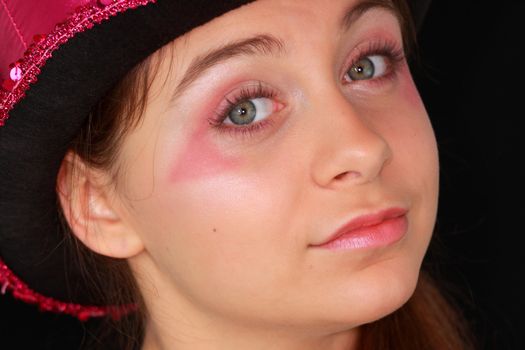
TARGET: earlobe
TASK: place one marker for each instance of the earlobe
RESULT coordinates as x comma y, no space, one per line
92,210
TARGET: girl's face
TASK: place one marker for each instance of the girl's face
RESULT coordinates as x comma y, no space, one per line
269,129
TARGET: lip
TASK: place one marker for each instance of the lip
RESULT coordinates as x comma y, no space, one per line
370,230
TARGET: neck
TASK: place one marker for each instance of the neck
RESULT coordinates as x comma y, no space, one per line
174,322
160,337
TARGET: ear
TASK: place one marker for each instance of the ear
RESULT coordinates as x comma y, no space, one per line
93,210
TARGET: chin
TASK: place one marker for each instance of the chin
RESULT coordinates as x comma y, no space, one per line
374,293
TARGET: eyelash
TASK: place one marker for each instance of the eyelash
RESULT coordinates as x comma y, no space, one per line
393,52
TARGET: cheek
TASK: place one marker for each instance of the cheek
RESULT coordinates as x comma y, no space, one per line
407,93
421,157
409,90
415,126
414,169
201,158
215,227
231,216
221,210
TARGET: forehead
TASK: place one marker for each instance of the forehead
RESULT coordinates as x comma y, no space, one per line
278,16
280,12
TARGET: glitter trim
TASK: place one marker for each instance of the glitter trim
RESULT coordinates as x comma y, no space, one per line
35,57
9,282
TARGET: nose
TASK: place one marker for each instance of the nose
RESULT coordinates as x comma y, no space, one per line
350,151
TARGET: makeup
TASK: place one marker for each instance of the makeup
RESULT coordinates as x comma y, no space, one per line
372,230
408,88
201,158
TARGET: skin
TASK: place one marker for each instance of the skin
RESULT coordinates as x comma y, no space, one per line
219,228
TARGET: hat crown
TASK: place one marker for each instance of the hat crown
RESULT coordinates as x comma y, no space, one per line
21,20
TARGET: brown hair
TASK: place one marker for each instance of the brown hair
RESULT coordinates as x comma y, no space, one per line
97,144
428,320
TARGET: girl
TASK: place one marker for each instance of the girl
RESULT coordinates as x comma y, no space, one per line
229,175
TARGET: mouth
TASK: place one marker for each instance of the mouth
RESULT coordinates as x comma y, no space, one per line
370,230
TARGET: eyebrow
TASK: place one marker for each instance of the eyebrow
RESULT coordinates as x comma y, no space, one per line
261,45
264,45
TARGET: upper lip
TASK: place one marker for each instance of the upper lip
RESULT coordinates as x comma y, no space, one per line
365,220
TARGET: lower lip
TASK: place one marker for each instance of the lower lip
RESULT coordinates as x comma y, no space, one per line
385,233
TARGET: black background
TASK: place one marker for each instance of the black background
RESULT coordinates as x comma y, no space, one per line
472,79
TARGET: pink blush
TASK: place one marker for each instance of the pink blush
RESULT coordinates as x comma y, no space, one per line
200,158
411,93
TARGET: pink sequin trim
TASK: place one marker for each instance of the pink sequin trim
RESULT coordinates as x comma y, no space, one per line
35,57
20,290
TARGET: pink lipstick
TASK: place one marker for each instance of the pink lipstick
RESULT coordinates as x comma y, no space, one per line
371,230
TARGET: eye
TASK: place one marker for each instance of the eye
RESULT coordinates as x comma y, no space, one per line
249,111
367,68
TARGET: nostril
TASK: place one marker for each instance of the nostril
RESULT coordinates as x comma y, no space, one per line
341,176
347,175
